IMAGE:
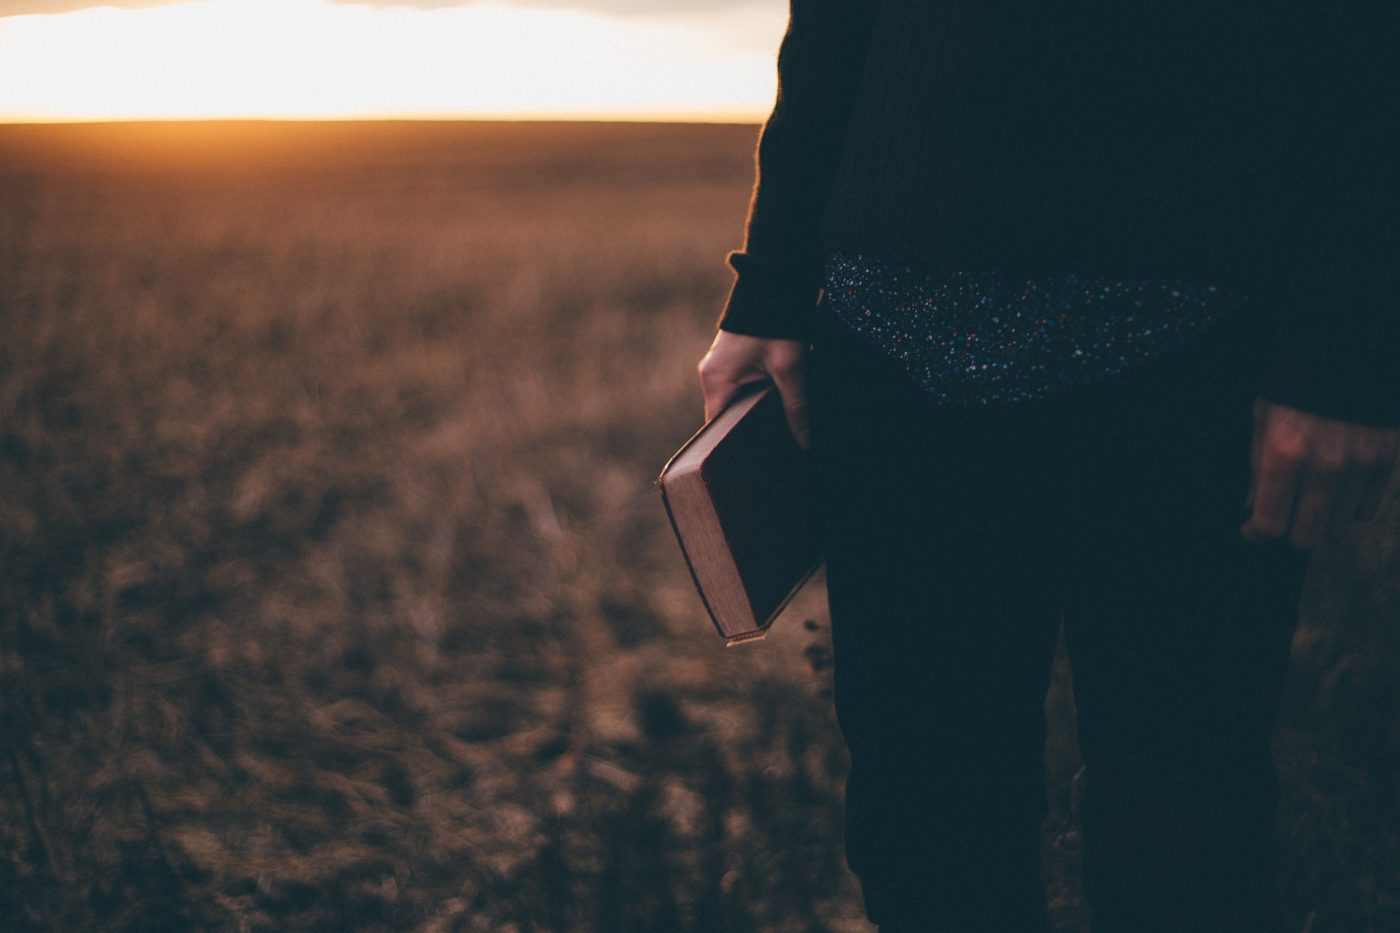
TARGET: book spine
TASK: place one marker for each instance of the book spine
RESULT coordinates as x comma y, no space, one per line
690,565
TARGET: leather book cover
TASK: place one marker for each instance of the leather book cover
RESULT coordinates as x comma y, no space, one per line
740,498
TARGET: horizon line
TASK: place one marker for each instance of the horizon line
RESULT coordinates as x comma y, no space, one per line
715,118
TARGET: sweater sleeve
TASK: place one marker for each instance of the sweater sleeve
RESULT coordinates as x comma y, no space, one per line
1336,351
778,272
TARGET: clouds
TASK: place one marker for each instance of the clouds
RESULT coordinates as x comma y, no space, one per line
29,7
619,7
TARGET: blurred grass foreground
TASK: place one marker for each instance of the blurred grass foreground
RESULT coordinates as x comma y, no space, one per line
335,594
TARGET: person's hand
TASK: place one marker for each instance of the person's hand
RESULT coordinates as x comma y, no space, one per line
736,360
1314,475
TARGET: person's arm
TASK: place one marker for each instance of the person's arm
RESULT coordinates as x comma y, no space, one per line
778,271
768,316
1327,423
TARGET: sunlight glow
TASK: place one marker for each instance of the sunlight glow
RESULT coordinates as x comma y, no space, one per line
315,59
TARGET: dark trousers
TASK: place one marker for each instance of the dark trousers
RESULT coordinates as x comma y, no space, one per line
958,543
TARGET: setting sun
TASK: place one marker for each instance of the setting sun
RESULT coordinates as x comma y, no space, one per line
323,59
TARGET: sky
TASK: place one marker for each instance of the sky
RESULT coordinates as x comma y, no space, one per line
65,60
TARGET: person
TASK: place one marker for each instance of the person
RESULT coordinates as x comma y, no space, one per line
1087,314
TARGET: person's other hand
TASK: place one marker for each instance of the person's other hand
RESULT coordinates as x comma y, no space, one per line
736,360
1314,475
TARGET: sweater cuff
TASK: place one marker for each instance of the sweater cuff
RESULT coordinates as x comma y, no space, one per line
1336,354
770,302
1361,391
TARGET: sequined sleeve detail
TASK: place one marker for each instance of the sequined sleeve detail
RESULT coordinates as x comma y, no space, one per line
978,338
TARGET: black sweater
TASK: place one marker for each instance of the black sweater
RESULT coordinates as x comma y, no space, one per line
1228,142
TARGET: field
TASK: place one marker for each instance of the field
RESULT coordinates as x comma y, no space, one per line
335,592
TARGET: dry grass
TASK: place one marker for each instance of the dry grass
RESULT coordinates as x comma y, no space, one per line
335,593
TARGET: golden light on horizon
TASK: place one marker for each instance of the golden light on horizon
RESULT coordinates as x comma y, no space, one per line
317,59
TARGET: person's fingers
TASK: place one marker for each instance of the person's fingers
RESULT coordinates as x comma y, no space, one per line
1275,488
716,398
791,380
721,382
721,394
1363,485
1316,497
1347,502
1373,490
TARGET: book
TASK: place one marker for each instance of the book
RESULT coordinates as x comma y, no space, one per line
740,498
